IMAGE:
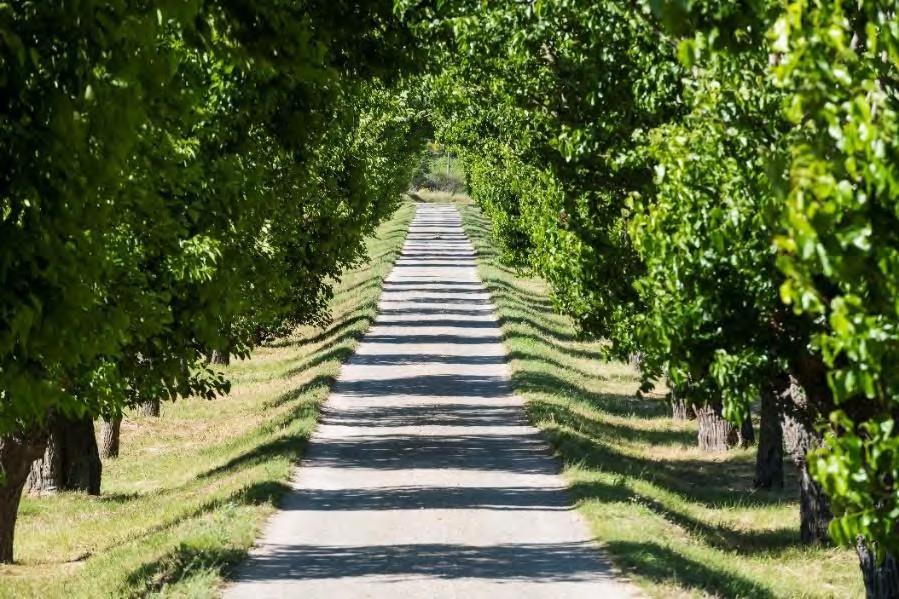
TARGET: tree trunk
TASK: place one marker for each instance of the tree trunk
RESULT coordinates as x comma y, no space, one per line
71,461
747,433
814,507
46,475
149,407
83,468
814,510
881,580
769,467
715,433
17,452
109,437
679,409
218,357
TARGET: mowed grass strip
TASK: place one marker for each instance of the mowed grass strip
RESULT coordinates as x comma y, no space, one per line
186,498
677,521
426,196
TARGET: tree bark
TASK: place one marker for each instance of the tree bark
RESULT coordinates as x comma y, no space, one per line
679,409
71,461
17,452
715,433
747,433
881,579
218,357
769,467
814,507
46,475
109,437
83,468
149,408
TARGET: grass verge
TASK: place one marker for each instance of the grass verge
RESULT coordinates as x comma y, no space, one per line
676,521
427,196
186,498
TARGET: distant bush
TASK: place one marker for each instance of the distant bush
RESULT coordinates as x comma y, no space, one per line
434,174
451,183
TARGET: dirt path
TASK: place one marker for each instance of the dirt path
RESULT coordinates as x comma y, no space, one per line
424,480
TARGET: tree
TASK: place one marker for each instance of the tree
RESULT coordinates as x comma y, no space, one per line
838,65
187,176
648,153
553,102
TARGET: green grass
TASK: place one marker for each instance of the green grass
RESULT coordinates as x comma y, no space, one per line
676,521
191,489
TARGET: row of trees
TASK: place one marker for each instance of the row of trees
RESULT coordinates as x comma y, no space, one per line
712,186
181,180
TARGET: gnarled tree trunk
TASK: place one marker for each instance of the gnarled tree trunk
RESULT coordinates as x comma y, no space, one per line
715,433
218,357
109,437
881,579
814,507
769,467
46,475
17,451
71,461
679,409
806,400
149,407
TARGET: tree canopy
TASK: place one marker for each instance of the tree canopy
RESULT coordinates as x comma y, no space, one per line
181,178
709,186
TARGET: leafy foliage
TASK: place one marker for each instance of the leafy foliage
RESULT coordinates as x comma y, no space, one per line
708,184
644,157
563,100
184,177
840,249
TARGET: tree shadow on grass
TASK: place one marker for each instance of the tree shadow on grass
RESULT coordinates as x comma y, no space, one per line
364,312
322,380
530,323
262,492
334,343
721,537
541,411
335,349
358,287
119,498
713,484
519,354
615,404
662,565
501,287
543,335
187,560
335,330
390,253
291,445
